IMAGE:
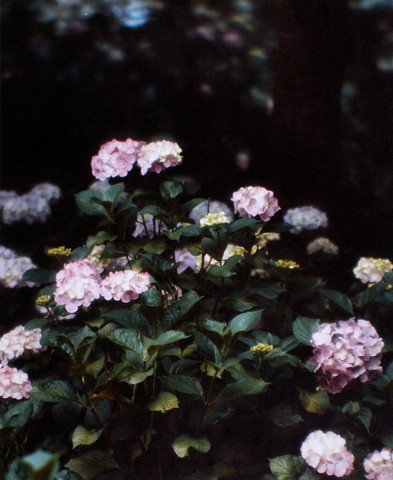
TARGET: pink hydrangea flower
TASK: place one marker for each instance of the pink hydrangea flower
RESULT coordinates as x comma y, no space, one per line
14,343
372,269
379,465
77,284
346,351
253,201
14,383
124,285
156,156
115,159
327,453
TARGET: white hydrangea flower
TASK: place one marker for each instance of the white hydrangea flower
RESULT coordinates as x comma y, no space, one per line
370,269
305,218
214,206
213,219
157,156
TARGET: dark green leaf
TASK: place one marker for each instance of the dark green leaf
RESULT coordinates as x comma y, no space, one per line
179,309
286,467
181,383
283,416
316,402
245,322
130,319
243,223
87,203
127,338
193,203
244,386
170,190
100,238
52,390
151,298
212,248
39,275
91,463
338,298
113,193
303,328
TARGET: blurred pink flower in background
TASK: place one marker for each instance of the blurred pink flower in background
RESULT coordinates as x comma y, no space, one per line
346,351
327,453
253,201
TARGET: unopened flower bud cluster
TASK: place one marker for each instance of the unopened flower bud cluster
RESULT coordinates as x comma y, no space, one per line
212,219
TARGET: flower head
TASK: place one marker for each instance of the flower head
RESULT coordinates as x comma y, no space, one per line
379,465
305,218
77,284
262,349
287,264
213,219
346,351
61,252
253,201
322,245
186,259
207,207
14,383
156,156
327,453
372,269
14,343
124,285
12,268
115,159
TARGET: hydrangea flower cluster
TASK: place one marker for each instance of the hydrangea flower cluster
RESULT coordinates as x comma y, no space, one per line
12,268
14,383
305,218
379,465
327,453
147,225
346,351
206,207
124,285
14,343
322,245
34,206
372,269
115,159
156,156
253,201
78,283
213,219
186,259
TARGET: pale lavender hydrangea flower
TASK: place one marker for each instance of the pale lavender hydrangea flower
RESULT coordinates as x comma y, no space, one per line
372,269
14,383
6,195
305,218
12,268
156,156
14,343
253,201
49,192
77,284
186,259
147,225
322,245
100,186
213,206
346,351
125,285
327,453
115,159
379,465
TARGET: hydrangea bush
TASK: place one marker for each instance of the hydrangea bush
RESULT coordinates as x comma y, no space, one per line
173,345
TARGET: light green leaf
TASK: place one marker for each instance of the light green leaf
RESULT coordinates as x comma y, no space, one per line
245,321
317,402
170,189
82,436
184,442
164,402
100,238
286,467
113,193
283,416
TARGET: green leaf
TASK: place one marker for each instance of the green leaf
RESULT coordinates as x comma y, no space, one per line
370,294
87,203
135,377
243,386
388,277
100,238
39,465
151,298
91,463
309,475
168,337
181,383
179,309
182,444
387,438
127,338
317,402
130,319
303,328
212,248
338,298
188,206
243,223
217,271
286,467
112,194
283,416
52,390
245,322
170,190
164,402
186,231
94,368
39,275
82,436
